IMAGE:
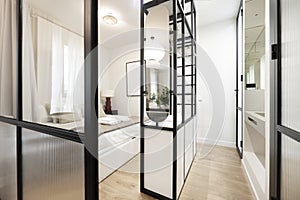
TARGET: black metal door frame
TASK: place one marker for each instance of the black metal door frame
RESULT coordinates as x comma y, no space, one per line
277,130
239,144
89,139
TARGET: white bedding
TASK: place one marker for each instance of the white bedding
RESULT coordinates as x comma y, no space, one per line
113,119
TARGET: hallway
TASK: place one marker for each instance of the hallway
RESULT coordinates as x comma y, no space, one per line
216,176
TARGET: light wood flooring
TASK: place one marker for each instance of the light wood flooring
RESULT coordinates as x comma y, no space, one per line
217,176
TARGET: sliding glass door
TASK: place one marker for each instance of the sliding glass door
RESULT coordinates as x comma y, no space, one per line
239,81
285,135
48,84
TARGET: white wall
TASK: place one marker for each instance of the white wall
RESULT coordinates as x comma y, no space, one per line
219,42
113,77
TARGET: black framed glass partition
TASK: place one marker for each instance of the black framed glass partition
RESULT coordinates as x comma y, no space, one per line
285,129
47,116
168,96
239,80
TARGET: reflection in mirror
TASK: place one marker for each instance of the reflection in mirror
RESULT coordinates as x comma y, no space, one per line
157,91
8,58
157,48
53,57
255,45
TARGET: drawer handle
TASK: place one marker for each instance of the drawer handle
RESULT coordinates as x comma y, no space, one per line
252,120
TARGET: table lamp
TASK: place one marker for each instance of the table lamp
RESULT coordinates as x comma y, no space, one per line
108,94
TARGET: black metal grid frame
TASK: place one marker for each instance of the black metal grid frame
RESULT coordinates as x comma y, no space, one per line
91,125
178,12
277,129
239,146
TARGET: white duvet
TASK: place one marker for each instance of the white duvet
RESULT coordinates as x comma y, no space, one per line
113,119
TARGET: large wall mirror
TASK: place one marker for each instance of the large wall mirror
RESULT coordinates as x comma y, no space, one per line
158,62
255,45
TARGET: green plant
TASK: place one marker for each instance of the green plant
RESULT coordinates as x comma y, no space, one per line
161,98
164,97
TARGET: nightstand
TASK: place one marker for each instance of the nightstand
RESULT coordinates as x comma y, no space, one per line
113,112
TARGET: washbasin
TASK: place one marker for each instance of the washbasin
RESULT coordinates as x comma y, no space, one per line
261,114
256,120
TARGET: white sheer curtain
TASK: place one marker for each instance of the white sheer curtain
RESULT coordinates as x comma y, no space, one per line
30,104
44,61
8,59
57,103
75,45
65,68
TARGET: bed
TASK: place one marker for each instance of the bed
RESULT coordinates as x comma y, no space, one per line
118,144
118,137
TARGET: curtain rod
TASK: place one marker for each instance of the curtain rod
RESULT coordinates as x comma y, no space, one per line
51,21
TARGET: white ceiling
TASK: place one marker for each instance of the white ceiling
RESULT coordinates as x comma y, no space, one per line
213,11
70,14
255,31
128,15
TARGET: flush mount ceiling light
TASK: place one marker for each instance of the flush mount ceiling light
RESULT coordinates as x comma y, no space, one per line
110,19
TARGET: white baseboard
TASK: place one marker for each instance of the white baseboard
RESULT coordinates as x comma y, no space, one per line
248,178
219,142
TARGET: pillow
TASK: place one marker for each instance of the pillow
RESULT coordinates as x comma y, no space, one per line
66,118
101,111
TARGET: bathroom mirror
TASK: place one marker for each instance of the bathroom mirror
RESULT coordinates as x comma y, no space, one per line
157,56
157,91
255,45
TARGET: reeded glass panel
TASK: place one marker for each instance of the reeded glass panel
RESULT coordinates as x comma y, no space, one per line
53,62
8,58
53,168
8,162
290,64
290,173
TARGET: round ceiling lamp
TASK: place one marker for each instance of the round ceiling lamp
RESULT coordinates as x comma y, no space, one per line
153,50
156,33
110,19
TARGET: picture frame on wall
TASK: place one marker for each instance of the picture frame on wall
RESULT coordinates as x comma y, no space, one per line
133,78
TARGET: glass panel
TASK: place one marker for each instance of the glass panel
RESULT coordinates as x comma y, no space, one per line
157,49
240,61
53,168
188,111
290,174
188,70
188,11
8,58
180,64
8,162
53,58
290,64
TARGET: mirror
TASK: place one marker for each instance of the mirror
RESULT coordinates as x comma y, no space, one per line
255,45
157,56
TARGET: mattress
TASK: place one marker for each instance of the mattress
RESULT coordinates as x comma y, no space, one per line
109,128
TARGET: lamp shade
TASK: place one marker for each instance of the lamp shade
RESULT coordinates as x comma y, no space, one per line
107,93
157,33
154,51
